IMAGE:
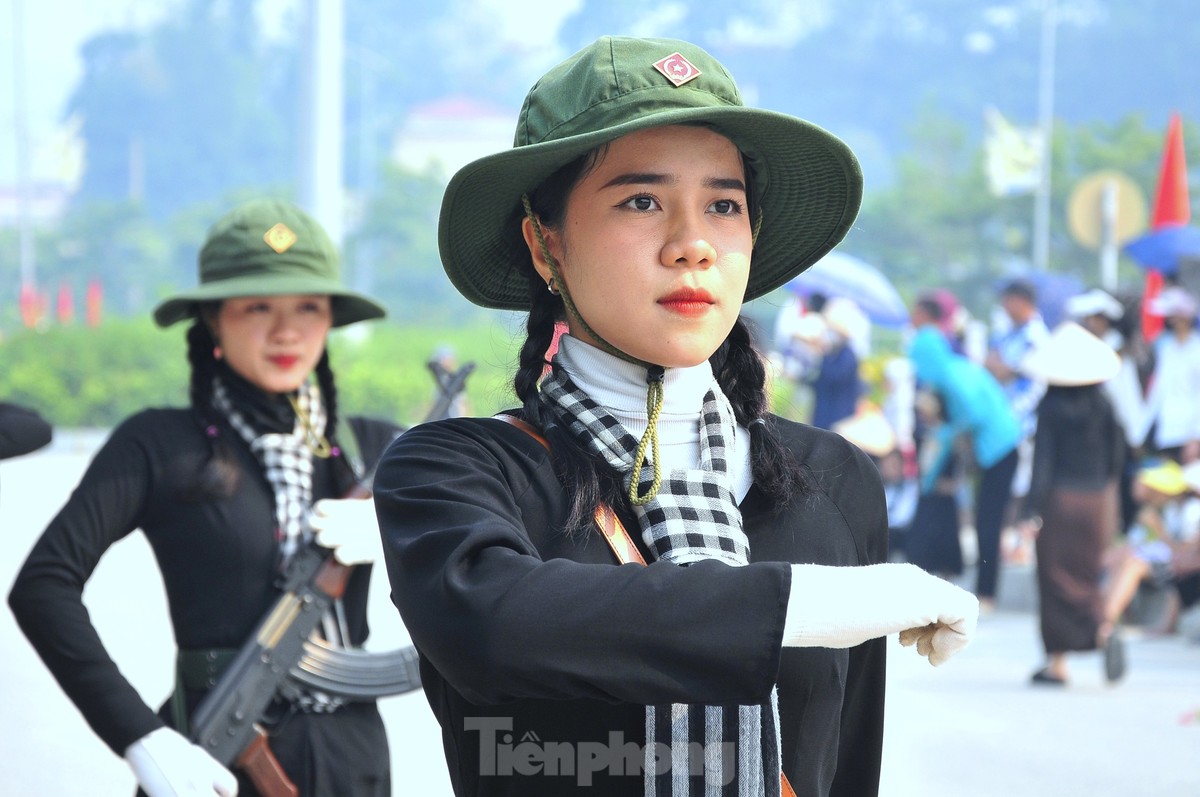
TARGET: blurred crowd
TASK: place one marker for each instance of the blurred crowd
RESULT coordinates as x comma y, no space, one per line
1073,449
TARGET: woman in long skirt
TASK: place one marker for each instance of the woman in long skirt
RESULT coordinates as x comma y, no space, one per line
1077,460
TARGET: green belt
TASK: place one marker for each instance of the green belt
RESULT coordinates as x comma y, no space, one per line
197,670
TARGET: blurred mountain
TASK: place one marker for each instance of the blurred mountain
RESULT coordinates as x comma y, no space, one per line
862,68
201,105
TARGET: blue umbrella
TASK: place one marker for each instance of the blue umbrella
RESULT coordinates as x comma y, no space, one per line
839,275
1164,248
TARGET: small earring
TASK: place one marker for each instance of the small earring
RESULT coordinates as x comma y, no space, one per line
553,288
217,353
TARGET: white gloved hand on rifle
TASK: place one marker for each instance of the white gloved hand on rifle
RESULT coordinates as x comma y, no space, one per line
168,765
840,607
349,527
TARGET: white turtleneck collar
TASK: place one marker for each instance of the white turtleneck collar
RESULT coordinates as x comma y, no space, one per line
620,387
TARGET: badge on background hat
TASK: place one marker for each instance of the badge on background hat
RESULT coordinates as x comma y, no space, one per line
280,238
677,69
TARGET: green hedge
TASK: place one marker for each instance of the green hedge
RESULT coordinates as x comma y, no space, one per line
93,377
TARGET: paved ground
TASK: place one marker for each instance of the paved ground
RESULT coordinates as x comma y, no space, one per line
972,728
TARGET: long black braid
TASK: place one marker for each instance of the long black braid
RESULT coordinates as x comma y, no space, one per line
736,364
739,370
346,476
219,475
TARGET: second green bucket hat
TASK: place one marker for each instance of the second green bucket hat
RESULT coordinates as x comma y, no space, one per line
268,247
806,181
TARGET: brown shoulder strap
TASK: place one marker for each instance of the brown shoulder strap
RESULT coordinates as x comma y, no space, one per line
617,537
606,519
525,426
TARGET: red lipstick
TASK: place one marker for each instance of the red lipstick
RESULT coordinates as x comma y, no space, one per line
687,301
284,360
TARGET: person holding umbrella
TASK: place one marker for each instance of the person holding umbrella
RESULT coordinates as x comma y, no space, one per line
836,383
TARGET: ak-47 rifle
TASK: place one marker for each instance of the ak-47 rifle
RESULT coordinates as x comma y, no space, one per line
280,653
226,722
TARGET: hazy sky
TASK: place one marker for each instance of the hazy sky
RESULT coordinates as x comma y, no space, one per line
52,31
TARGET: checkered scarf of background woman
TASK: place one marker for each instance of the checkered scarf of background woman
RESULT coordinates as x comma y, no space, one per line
691,749
286,461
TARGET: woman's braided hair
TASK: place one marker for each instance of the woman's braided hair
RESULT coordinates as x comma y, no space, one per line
736,364
219,475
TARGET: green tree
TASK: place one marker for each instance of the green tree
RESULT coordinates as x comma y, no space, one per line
393,254
188,111
936,223
118,243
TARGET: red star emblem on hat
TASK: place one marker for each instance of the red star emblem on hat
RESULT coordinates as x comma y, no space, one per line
677,69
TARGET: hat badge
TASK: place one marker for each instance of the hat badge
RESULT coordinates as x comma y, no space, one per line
280,238
677,69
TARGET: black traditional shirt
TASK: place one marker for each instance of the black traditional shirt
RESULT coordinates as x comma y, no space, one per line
218,556
539,653
22,430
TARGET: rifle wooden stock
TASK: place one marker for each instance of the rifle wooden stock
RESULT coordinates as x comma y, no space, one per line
263,769
331,578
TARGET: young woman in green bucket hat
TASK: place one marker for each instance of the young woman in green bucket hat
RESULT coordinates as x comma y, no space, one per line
226,491
642,204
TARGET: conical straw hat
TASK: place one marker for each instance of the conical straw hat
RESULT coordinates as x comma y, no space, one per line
1071,357
869,430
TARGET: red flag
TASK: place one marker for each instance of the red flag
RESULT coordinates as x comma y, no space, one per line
93,302
65,304
1171,207
28,305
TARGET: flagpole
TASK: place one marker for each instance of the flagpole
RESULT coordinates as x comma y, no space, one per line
1041,202
21,116
321,132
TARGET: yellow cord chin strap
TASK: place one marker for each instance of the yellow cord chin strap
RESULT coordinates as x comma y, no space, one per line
318,444
654,402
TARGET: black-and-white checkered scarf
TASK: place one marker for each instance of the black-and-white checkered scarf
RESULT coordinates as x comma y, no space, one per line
286,461
287,464
691,749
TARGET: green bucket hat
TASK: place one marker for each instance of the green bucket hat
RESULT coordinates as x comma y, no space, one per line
268,247
806,181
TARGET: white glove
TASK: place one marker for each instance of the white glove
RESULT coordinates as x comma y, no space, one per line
840,607
168,765
349,527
